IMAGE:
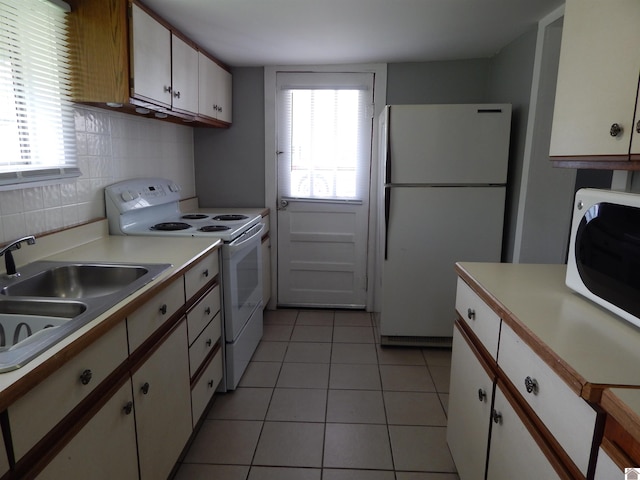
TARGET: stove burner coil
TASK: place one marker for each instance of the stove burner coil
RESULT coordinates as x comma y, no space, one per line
170,226
230,217
194,216
214,228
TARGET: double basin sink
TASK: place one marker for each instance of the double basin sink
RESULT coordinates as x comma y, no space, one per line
50,300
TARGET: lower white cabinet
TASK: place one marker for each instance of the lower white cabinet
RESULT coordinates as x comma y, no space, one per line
37,412
162,401
513,452
570,419
470,401
89,456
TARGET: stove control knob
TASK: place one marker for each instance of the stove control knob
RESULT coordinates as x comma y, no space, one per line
129,195
174,187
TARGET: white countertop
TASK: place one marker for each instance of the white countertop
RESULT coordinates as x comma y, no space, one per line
177,251
600,347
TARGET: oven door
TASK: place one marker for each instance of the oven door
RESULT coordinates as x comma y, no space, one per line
242,280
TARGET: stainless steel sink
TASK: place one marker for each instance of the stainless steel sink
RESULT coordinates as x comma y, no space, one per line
77,281
51,300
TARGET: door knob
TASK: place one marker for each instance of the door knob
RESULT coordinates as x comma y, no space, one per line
283,205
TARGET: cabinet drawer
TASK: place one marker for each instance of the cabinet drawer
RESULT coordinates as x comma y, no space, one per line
204,344
204,389
145,320
569,418
203,272
483,321
202,313
33,415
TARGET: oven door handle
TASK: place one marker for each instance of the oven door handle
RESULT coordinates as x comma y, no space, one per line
240,242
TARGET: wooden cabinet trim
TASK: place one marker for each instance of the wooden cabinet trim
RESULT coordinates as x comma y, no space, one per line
106,77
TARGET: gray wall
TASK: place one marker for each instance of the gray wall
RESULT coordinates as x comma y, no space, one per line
462,81
229,163
510,82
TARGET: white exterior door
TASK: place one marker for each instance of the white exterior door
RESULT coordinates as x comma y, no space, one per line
324,161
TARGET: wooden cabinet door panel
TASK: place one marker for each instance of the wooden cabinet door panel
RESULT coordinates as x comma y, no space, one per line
481,319
513,452
145,320
184,67
470,398
202,273
597,78
161,392
151,58
105,448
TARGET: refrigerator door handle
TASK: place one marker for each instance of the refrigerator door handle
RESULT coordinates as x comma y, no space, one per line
387,210
387,144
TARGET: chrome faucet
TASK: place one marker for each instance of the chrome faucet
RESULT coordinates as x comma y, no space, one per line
10,264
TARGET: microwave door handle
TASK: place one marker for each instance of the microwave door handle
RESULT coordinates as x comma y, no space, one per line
247,237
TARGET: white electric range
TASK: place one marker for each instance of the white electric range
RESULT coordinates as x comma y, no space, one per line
150,207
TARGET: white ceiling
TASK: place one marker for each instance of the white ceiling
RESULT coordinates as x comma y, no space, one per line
316,32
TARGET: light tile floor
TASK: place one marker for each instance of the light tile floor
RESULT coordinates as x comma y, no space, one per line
321,400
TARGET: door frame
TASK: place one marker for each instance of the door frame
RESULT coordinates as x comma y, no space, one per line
271,171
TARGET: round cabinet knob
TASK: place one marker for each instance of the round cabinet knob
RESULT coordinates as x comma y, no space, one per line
128,408
167,88
616,130
471,314
163,309
497,416
210,383
207,311
206,273
176,94
209,342
638,126
482,395
145,388
531,384
85,377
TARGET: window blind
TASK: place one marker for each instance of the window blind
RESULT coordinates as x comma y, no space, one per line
324,135
37,131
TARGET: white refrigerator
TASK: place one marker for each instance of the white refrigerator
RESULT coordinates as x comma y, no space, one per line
444,169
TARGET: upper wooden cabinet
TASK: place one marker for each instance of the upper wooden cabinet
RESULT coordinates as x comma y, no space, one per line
127,58
214,99
150,58
596,121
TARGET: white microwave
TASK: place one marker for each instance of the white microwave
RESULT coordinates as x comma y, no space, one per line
604,251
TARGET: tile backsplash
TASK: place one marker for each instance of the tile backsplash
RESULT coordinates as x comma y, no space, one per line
111,147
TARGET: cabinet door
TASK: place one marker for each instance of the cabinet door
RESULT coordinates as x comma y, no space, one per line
105,448
470,395
184,67
161,392
597,78
223,94
151,58
513,452
214,99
